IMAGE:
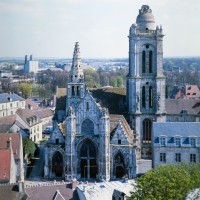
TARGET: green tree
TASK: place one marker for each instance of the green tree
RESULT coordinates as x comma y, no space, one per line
113,81
119,81
29,147
166,182
26,89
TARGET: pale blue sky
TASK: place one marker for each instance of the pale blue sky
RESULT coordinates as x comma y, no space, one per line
50,28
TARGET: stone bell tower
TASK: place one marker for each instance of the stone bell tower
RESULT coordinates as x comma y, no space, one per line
145,80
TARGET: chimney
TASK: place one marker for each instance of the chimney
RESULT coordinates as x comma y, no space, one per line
9,142
30,107
74,184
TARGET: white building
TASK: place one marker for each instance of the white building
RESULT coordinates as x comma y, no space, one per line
175,142
31,65
9,103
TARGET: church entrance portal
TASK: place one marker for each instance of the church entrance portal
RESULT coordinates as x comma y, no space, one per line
57,164
119,166
88,160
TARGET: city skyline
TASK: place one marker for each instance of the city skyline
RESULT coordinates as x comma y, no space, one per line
101,27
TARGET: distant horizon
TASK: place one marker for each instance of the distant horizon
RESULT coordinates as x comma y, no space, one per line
49,29
89,58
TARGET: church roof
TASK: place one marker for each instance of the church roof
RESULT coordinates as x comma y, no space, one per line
112,98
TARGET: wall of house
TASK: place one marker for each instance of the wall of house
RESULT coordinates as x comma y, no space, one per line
10,108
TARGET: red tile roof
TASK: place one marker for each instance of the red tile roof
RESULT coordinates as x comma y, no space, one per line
5,160
8,119
28,115
15,143
33,105
44,113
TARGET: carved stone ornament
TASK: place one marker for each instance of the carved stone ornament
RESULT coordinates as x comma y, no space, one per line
70,112
104,112
145,9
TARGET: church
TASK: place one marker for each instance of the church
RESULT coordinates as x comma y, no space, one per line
99,145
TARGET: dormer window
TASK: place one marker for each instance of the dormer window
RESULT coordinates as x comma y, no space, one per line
57,141
163,141
177,141
119,142
193,142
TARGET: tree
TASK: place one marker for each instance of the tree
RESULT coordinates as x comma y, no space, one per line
167,182
113,81
29,147
119,81
26,89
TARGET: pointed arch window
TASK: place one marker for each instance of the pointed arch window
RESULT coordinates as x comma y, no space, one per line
150,61
143,96
150,97
87,106
143,61
147,129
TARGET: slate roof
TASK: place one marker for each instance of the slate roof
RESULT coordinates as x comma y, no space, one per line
171,129
114,121
26,114
7,97
15,143
5,160
51,192
176,106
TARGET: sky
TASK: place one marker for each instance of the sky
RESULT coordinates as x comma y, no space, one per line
50,28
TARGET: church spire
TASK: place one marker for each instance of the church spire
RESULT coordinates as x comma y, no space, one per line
76,69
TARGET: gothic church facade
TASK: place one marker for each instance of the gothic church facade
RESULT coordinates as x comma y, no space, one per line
96,145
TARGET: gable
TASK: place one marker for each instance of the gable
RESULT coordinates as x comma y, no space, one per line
57,134
119,135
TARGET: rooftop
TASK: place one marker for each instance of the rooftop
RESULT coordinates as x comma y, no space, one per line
5,160
10,97
15,142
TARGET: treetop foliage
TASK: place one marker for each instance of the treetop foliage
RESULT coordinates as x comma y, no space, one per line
171,182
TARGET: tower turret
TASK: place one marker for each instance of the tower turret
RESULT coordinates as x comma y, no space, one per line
76,69
76,85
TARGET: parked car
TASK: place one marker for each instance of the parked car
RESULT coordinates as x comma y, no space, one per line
48,130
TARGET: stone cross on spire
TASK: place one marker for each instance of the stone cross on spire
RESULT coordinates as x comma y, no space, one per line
76,69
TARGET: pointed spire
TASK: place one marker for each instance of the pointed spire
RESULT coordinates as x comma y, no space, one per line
76,69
